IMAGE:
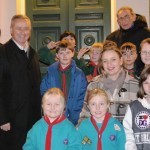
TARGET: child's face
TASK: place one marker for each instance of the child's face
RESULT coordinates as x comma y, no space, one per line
95,55
146,87
53,107
65,56
71,40
111,63
145,54
129,57
98,107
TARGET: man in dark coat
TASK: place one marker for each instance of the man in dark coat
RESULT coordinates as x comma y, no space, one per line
19,86
133,28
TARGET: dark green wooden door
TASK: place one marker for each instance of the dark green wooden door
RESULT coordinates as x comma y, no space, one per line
88,19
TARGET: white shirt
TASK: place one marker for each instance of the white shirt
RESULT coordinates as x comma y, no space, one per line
25,48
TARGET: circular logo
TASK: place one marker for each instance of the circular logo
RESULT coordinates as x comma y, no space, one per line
142,120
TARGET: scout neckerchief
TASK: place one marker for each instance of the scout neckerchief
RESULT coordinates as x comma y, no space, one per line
49,132
131,72
64,88
100,132
95,68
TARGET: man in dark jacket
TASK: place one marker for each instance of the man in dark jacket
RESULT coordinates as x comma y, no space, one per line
19,86
133,28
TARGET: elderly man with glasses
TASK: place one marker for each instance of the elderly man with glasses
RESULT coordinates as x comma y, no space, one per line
133,28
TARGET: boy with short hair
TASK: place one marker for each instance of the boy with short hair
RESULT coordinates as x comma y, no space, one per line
93,67
65,75
53,131
129,56
47,53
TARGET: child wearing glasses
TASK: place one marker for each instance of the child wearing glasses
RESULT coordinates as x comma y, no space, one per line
145,51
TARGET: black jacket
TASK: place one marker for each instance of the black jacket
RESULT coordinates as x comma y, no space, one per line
135,35
20,98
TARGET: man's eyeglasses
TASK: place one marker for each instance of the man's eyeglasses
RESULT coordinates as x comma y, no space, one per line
126,18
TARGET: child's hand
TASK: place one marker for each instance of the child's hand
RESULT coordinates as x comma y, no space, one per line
82,51
5,127
52,45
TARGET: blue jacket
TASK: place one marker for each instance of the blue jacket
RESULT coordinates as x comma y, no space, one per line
64,136
76,92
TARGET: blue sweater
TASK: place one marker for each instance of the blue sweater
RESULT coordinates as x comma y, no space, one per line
78,85
113,137
64,136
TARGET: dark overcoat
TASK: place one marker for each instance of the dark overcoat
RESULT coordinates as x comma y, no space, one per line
20,100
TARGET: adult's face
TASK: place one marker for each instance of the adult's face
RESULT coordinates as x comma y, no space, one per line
125,19
112,64
20,31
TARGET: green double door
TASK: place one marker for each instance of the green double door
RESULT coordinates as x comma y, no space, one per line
88,19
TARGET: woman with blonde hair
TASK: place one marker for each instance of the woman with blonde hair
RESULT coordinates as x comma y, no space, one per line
120,87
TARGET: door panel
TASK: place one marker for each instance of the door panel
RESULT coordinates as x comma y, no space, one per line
88,19
48,20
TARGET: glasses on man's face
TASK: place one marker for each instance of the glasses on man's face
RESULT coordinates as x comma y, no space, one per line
126,18
145,53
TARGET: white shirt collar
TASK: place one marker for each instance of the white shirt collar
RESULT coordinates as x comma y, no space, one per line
25,48
144,103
